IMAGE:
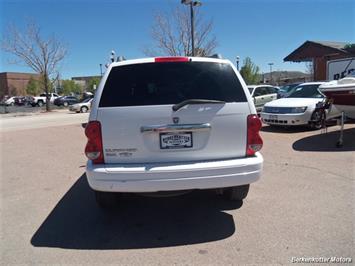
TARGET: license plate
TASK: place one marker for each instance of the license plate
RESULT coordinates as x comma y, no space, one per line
273,117
176,140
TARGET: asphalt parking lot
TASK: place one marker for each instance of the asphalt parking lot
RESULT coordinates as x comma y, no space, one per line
303,206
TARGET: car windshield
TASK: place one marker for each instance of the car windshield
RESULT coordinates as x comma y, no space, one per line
306,91
171,83
288,88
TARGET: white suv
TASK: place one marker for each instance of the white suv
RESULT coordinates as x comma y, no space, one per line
172,123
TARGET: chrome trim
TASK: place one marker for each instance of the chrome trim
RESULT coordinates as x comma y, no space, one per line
176,128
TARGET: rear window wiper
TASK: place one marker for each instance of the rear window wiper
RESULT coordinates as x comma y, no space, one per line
194,101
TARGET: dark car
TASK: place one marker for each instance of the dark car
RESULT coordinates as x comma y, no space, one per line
66,100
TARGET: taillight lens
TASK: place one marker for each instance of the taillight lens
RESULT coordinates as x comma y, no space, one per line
171,59
254,141
94,149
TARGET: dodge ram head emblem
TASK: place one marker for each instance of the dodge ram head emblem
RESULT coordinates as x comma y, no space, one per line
176,120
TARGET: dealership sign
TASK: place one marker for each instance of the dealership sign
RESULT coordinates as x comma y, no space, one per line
337,69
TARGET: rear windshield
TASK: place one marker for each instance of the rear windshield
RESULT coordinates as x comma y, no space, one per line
170,83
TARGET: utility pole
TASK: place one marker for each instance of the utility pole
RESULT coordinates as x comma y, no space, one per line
192,4
270,64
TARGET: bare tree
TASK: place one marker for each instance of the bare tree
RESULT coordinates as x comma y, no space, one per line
31,49
310,70
171,34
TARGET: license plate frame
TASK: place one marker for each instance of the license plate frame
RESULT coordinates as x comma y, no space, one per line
175,140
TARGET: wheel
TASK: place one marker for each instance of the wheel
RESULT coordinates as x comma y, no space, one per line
65,104
84,109
318,120
105,199
236,193
40,103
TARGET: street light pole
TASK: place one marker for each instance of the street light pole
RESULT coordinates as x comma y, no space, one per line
270,64
192,4
101,69
238,62
192,30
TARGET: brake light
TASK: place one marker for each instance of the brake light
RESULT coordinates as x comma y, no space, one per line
254,141
171,59
94,149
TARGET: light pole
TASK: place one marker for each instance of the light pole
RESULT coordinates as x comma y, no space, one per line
112,57
238,62
101,69
270,64
192,3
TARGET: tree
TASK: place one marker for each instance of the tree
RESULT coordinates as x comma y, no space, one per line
310,69
171,34
32,87
32,49
250,72
93,84
69,87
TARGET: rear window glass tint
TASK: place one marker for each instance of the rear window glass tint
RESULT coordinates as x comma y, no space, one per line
170,83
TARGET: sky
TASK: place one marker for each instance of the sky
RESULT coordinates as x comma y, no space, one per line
264,30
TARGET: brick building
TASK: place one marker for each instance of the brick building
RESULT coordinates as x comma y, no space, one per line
319,53
14,84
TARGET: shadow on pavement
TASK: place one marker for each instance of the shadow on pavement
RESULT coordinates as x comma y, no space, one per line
137,222
326,142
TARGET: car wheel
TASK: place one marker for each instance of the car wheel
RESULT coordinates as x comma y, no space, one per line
105,200
40,103
236,193
65,104
83,109
317,119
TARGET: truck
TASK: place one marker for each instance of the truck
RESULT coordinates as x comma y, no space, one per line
42,99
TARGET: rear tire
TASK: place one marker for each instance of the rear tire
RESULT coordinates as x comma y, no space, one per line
236,193
105,200
40,103
65,104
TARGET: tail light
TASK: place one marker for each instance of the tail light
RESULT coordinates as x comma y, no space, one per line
254,141
94,149
171,59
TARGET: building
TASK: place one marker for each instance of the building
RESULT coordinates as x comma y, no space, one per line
85,81
319,53
14,84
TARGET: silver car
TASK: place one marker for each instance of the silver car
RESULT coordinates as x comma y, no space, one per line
81,107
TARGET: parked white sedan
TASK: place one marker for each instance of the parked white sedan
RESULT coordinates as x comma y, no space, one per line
299,108
262,94
81,107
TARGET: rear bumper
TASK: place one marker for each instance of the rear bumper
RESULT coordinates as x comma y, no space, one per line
168,177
